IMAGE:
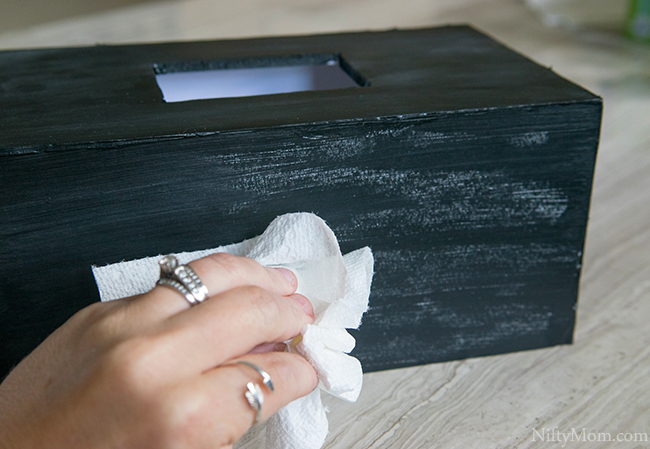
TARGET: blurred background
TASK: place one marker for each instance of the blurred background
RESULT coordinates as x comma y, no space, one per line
30,23
17,14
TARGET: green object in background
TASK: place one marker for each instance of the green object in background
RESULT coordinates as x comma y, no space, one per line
637,26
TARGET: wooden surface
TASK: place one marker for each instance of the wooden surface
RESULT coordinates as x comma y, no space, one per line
602,381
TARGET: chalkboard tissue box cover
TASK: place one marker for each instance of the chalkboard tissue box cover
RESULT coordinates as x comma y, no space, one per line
466,167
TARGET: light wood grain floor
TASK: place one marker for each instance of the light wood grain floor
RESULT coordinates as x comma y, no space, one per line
602,382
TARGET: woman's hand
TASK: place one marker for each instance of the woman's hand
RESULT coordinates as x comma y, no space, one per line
151,372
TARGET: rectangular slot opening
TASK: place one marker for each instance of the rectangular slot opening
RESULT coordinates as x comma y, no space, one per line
255,76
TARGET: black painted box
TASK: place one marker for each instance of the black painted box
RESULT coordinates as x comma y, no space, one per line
465,166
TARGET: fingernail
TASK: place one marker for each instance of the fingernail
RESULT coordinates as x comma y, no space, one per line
304,303
288,274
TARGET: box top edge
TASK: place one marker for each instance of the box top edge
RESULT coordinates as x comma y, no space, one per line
124,143
110,92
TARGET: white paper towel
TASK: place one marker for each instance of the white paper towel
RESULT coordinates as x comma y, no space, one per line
338,288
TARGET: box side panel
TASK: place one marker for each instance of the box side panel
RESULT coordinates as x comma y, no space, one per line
476,219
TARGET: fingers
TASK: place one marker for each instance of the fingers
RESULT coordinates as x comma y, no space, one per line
234,322
207,410
219,272
222,271
221,392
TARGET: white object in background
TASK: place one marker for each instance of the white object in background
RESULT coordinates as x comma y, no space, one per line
337,285
606,14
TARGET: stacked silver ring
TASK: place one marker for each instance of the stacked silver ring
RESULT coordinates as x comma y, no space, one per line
183,279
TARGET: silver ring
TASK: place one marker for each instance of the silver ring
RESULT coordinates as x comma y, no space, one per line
180,288
266,377
255,398
183,279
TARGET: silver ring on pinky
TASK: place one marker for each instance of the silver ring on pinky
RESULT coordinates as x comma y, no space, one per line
183,279
255,398
266,377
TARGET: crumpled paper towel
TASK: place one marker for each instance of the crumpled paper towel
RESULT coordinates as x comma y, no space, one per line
338,287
